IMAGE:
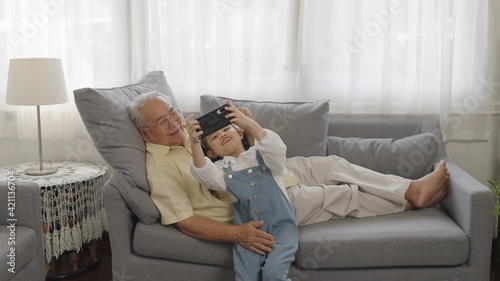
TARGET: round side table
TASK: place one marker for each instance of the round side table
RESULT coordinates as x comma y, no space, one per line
72,208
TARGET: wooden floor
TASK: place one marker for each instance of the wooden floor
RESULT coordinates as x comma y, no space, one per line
495,261
102,272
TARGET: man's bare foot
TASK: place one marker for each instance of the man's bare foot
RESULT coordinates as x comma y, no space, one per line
429,190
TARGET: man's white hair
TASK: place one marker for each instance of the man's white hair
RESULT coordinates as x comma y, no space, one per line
134,107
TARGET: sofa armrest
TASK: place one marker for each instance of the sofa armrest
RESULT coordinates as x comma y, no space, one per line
121,226
470,204
24,199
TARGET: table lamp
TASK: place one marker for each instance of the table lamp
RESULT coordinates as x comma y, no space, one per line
36,81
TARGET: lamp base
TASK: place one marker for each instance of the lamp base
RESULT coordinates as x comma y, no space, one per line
40,172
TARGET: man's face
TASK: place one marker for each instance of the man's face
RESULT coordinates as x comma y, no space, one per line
170,132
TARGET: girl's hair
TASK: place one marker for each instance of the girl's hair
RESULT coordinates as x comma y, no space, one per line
206,147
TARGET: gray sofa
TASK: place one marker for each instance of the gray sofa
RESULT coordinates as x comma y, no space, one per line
451,241
21,244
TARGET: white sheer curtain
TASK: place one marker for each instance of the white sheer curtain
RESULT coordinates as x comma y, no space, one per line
390,57
367,56
230,48
399,57
91,38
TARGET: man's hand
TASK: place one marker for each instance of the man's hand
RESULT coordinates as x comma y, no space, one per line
248,235
251,237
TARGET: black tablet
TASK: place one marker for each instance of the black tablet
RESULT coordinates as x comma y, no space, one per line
214,120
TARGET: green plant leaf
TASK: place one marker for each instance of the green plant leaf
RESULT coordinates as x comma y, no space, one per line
495,186
497,208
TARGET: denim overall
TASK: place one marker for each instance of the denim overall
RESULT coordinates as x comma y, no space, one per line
260,198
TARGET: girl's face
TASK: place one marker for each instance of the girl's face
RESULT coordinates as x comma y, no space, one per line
225,142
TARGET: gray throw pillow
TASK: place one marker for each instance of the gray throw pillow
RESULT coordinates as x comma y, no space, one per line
114,135
303,126
410,157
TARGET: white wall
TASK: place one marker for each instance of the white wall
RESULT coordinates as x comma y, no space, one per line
480,159
17,152
494,58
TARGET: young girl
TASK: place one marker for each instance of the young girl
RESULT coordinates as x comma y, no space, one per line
254,180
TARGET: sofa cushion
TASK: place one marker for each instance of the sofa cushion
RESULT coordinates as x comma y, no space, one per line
138,200
426,237
25,249
410,157
167,242
303,126
104,112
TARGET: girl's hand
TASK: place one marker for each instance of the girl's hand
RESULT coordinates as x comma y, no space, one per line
239,117
252,130
247,112
194,129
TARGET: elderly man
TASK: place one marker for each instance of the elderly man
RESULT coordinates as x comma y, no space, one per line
321,188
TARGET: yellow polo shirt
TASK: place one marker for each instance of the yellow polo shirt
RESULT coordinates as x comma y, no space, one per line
175,192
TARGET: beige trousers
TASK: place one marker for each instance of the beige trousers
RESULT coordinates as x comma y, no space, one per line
332,188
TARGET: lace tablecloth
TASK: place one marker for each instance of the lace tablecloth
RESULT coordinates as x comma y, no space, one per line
72,207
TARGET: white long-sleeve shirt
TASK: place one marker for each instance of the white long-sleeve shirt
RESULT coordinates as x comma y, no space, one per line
273,151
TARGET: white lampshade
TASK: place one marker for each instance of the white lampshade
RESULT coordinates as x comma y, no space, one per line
36,81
